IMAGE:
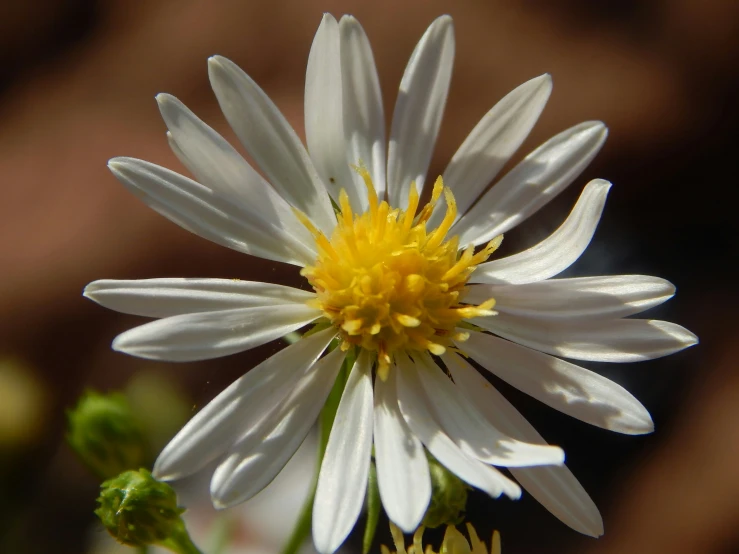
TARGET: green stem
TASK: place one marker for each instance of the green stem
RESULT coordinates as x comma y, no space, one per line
220,534
373,510
180,542
302,528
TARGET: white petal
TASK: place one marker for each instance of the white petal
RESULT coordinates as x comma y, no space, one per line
419,109
564,386
177,151
402,468
474,435
555,487
541,176
204,212
342,480
206,335
606,297
555,253
262,453
324,124
491,144
364,117
168,297
220,423
272,142
418,412
610,340
216,164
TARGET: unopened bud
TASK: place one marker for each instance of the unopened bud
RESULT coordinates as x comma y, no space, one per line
448,497
138,510
105,434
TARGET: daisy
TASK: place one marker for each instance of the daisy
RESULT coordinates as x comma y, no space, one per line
408,289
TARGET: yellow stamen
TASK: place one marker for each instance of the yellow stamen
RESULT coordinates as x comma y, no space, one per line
390,286
410,213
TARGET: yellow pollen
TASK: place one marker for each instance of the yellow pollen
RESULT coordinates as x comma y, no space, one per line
390,285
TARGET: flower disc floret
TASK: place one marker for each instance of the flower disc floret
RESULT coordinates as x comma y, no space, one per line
389,284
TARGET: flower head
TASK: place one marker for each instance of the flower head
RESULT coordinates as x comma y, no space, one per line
408,288
389,285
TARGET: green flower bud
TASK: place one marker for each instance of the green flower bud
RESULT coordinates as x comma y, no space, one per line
448,497
138,510
105,434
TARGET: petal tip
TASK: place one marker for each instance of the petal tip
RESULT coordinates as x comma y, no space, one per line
327,18
644,426
593,528
513,491
123,344
219,505
595,129
408,527
223,497
600,185
559,456
161,97
116,165
544,80
119,344
600,128
217,63
161,474
90,289
444,19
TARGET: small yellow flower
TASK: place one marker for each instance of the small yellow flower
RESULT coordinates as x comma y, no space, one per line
453,542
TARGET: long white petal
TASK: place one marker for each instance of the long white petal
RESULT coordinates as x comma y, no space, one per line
206,335
204,212
606,297
168,297
419,109
564,386
402,468
342,480
324,122
555,253
222,421
217,165
609,340
417,410
491,144
364,116
261,454
474,435
555,487
541,176
269,138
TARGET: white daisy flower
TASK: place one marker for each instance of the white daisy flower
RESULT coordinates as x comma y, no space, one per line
399,284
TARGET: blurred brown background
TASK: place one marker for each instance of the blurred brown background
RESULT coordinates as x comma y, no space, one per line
77,81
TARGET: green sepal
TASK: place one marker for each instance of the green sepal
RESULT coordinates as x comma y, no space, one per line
448,497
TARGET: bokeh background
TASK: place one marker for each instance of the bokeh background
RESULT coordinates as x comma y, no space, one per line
77,82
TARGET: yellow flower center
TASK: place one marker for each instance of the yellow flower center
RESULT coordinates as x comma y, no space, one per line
390,285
